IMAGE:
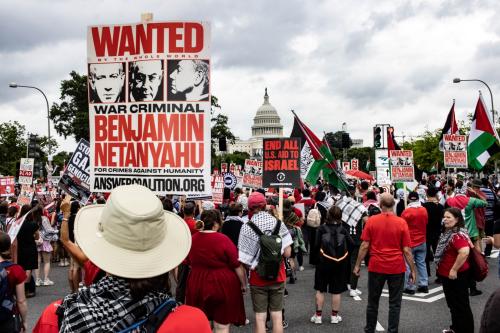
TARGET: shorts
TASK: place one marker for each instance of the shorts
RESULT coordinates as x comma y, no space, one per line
267,297
331,277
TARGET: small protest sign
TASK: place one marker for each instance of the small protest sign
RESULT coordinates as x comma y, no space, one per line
26,195
455,151
346,166
26,171
354,164
76,178
402,169
7,186
252,176
281,162
217,188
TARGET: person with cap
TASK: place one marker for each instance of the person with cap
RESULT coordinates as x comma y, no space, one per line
416,217
354,215
266,294
136,243
387,238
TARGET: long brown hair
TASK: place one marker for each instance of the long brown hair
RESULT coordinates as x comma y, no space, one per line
141,287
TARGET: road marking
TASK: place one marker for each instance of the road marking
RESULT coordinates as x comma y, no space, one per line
357,298
431,291
379,327
423,300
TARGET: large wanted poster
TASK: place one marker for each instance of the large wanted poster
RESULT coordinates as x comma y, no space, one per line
402,165
252,176
455,151
149,106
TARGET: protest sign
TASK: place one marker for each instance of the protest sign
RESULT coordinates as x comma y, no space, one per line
455,151
26,171
217,183
402,165
346,166
354,164
26,195
15,226
223,167
252,176
230,180
7,186
76,179
150,124
281,162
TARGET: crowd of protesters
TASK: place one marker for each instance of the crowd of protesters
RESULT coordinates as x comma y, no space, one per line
217,254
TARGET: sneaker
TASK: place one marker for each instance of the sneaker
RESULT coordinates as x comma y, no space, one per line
285,294
359,292
335,319
61,263
353,293
423,289
409,291
475,292
316,319
301,268
38,282
285,324
448,330
47,282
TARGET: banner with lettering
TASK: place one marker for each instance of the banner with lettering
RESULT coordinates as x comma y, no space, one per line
354,164
402,169
281,163
76,179
455,151
149,106
7,186
26,171
252,176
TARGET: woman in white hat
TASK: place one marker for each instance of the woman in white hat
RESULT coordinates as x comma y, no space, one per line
136,243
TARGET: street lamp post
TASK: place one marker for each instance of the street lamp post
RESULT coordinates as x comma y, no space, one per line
458,80
15,85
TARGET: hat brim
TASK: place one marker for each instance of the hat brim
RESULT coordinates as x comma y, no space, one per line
117,261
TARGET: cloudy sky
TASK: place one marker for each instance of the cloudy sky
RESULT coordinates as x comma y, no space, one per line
331,61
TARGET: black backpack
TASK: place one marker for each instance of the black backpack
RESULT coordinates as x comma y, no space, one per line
270,252
334,244
373,210
6,296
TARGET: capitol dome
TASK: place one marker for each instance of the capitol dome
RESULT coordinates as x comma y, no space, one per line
267,123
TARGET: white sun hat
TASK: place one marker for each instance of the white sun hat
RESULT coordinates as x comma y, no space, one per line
131,236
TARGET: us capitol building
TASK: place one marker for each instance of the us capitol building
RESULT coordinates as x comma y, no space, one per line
266,124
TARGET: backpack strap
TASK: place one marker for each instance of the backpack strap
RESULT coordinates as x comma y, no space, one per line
255,228
152,322
276,230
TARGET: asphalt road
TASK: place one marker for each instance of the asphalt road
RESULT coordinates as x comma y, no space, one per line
420,313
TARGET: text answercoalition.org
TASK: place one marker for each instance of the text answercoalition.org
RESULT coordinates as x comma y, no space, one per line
155,184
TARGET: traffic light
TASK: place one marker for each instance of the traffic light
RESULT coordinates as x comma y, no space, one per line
377,137
34,146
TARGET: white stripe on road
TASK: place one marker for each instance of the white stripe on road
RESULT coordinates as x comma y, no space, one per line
379,327
423,300
431,291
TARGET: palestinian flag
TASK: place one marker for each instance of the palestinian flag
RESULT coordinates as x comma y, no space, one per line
483,139
450,127
391,142
316,157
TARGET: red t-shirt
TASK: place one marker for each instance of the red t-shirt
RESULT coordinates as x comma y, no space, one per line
256,280
388,235
308,202
191,222
450,255
417,219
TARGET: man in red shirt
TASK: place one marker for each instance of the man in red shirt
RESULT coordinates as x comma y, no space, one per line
387,238
416,217
189,209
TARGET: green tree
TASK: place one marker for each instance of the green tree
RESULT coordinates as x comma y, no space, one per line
219,129
335,139
60,159
363,155
71,116
12,146
426,150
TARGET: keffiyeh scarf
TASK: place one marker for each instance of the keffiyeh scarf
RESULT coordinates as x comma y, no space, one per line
106,307
444,242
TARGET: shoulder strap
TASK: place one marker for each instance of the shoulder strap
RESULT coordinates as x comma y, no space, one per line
277,227
155,319
255,228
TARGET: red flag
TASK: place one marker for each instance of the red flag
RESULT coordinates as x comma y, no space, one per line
391,143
